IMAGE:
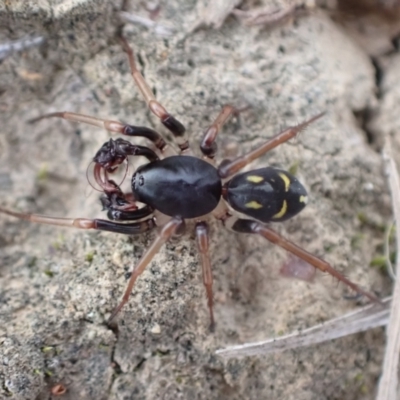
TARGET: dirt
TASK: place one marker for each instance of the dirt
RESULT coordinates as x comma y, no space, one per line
58,286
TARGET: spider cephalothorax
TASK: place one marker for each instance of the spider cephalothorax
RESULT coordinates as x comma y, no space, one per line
182,186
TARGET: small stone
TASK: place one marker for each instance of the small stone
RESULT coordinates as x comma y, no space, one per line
156,329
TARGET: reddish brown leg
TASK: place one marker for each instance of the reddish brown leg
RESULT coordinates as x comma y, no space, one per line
228,168
208,146
170,122
85,223
250,226
203,246
111,126
166,232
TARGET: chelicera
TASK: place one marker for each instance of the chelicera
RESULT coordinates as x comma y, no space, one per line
177,186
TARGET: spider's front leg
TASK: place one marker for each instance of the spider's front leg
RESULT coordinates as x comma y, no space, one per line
112,126
169,121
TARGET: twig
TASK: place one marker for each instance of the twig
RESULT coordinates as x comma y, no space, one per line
370,316
389,378
389,265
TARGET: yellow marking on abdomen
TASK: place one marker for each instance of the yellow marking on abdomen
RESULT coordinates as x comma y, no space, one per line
253,204
286,180
255,178
281,213
303,199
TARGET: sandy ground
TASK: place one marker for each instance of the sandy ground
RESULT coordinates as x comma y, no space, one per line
58,286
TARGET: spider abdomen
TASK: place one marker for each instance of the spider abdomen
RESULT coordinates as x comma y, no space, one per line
266,194
182,186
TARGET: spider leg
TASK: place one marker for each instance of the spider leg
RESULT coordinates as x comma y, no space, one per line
208,146
86,223
228,168
250,226
166,232
113,126
170,122
202,237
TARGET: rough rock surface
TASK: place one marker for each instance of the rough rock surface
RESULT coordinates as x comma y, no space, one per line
58,286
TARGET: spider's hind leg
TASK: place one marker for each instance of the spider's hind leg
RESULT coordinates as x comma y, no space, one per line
254,227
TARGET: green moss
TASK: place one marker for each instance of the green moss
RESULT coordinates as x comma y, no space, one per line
59,242
293,168
359,377
49,273
32,262
161,353
89,256
364,389
356,240
43,173
8,393
380,260
46,349
367,221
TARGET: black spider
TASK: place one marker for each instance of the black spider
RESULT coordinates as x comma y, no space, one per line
186,187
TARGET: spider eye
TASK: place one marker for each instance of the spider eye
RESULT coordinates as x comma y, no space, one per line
137,180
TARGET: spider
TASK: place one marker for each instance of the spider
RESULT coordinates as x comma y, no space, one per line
180,186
